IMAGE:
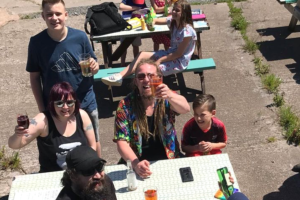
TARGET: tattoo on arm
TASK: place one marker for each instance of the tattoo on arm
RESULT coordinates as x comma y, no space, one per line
33,122
89,127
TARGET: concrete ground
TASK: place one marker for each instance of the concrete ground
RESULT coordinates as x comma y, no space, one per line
263,170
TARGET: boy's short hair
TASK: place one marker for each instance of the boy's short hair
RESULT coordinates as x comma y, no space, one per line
205,99
44,2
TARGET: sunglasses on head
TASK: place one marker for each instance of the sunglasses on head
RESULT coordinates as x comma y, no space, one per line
61,103
90,172
143,76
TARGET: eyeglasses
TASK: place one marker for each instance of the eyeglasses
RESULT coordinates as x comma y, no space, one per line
61,103
90,172
143,76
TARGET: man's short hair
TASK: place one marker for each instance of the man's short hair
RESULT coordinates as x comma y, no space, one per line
207,99
44,2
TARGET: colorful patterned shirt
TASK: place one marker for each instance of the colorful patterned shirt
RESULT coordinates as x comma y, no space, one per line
126,128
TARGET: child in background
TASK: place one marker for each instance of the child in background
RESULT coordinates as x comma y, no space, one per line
177,57
128,6
203,134
158,6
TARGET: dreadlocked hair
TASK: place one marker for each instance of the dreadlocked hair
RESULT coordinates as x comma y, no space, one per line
139,109
186,15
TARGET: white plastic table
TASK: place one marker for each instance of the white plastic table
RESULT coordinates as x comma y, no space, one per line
165,177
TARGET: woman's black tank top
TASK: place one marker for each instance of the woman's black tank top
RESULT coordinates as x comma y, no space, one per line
53,148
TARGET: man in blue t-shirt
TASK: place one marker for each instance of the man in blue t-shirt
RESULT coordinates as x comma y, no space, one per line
53,56
127,6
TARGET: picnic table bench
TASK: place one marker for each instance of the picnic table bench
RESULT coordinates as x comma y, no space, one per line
197,66
293,6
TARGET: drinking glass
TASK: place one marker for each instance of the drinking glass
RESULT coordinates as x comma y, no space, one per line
23,120
84,62
150,193
154,82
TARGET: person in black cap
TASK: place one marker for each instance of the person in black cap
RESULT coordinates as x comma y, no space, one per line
238,196
84,177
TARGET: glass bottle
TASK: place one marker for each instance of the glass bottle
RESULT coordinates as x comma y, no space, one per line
131,177
166,8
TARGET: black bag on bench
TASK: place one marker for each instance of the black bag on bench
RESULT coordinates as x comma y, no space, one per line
104,19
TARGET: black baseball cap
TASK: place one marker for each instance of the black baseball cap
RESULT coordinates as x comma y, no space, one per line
85,160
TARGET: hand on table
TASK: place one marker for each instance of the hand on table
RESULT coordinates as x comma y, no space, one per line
94,66
142,168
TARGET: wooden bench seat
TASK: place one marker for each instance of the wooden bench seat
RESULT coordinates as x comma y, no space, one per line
196,66
287,1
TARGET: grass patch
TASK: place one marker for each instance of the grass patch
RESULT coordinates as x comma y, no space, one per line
271,139
290,123
271,83
250,46
239,22
25,17
260,67
278,100
12,162
2,153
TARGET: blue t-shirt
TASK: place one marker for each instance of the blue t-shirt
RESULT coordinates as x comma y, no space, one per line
58,61
130,3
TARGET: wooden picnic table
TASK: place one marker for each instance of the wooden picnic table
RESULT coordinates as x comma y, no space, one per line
108,39
293,7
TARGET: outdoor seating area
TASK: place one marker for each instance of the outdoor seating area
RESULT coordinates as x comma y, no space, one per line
172,101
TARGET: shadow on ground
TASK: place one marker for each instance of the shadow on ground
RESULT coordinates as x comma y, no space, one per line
106,107
282,48
290,189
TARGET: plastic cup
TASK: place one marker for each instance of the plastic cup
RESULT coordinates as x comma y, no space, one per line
150,193
84,62
154,82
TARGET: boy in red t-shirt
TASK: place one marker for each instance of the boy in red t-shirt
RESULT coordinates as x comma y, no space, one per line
204,133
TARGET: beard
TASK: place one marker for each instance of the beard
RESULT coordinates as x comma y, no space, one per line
94,191
147,97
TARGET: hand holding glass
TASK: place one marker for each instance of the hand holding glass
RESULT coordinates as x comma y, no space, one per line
154,82
23,120
84,62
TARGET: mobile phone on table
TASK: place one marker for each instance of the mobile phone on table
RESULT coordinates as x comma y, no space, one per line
186,174
227,186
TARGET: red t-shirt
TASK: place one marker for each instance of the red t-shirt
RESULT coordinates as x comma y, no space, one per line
192,135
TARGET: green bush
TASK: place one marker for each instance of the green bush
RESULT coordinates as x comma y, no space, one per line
271,83
278,100
250,46
260,68
239,22
9,162
290,123
2,153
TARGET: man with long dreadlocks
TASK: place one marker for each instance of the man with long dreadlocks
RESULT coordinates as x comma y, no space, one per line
144,125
